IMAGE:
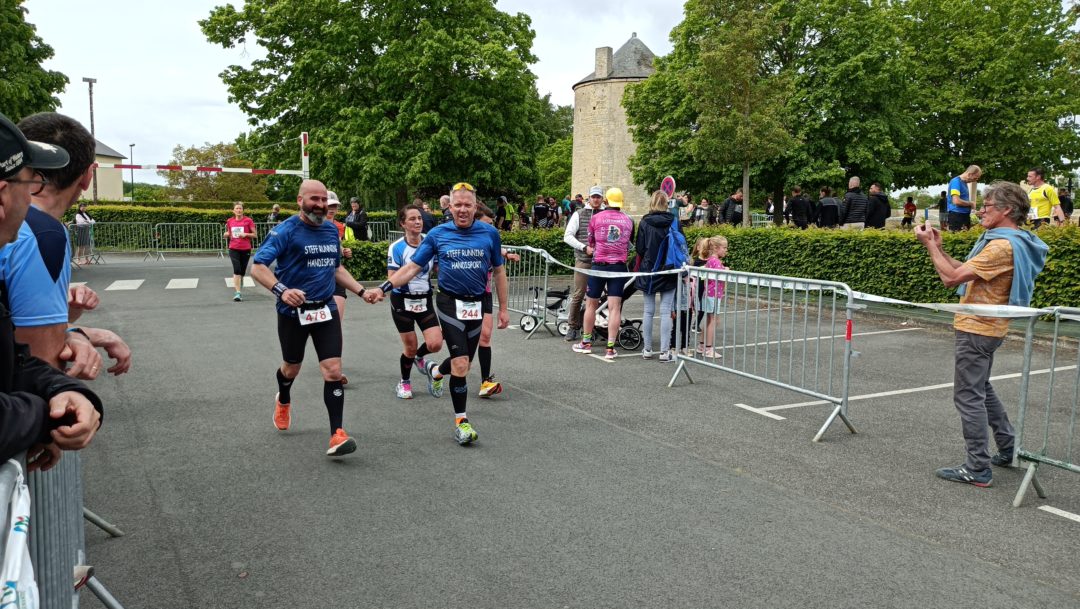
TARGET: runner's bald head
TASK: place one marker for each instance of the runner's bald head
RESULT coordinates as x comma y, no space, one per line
309,187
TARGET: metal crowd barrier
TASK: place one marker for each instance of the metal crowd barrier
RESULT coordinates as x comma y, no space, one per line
1047,435
528,283
111,237
57,541
394,235
189,238
378,231
788,332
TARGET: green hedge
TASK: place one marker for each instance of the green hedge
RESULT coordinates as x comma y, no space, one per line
886,263
182,213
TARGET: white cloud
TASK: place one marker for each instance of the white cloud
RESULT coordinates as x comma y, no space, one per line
157,76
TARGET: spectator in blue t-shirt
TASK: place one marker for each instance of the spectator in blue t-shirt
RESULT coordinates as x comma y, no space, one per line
961,202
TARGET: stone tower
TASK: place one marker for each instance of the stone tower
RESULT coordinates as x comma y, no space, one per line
602,142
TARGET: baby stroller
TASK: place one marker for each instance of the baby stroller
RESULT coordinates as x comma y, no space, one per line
555,302
629,337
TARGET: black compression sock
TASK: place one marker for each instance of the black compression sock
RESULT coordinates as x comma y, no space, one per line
444,367
284,386
485,362
406,366
334,396
423,350
459,393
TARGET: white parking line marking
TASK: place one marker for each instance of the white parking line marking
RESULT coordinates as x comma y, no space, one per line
182,284
1062,513
248,282
882,394
125,284
761,412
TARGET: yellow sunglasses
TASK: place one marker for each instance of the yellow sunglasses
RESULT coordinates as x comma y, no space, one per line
463,186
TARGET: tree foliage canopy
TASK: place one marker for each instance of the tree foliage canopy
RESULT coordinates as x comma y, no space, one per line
395,94
214,186
903,92
25,87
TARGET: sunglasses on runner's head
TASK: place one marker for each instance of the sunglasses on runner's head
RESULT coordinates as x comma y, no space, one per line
463,186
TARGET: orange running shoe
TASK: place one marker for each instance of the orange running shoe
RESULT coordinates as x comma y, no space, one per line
281,414
340,444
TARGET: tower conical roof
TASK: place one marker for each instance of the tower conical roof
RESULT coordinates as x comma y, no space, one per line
632,60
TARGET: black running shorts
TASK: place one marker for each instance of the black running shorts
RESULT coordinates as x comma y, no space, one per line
404,319
239,261
325,336
462,337
485,304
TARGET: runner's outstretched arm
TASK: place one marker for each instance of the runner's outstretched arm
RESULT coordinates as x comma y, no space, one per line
345,279
399,278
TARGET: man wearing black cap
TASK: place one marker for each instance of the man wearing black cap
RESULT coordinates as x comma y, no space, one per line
41,409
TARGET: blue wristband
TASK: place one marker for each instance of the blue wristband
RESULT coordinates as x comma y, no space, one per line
278,289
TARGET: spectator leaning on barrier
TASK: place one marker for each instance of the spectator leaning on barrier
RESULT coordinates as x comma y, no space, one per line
42,410
961,203
1001,269
36,268
650,256
879,209
853,208
576,236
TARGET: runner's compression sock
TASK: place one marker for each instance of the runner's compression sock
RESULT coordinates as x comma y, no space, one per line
485,362
334,396
406,366
284,385
444,368
611,344
459,393
586,337
422,351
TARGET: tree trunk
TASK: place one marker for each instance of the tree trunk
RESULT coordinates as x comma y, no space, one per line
746,194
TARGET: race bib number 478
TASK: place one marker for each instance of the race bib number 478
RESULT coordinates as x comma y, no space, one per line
314,316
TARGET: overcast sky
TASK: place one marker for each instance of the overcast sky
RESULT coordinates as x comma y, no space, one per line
157,76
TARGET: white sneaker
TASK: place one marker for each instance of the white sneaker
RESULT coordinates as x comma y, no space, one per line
667,356
404,390
646,354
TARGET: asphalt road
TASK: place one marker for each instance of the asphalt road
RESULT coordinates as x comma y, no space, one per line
592,483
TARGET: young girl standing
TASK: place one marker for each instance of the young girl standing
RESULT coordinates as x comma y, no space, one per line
714,290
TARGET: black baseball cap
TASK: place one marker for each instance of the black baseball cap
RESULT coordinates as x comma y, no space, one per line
17,152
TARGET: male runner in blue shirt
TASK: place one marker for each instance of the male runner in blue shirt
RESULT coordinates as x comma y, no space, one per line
464,250
308,255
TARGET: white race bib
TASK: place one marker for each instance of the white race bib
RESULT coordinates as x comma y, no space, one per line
468,311
314,316
416,305
237,231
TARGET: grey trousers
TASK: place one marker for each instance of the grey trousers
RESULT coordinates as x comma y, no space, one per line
976,401
580,281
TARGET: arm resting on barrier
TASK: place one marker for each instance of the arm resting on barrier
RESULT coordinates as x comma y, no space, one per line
113,345
23,422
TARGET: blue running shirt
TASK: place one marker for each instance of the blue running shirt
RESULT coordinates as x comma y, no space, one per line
958,187
307,259
400,254
465,255
37,272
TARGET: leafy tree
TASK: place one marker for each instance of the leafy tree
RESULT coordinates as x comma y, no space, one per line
555,164
1001,91
738,91
555,122
26,87
397,95
150,192
214,186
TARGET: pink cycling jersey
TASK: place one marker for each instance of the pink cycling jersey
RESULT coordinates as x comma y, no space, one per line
609,235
